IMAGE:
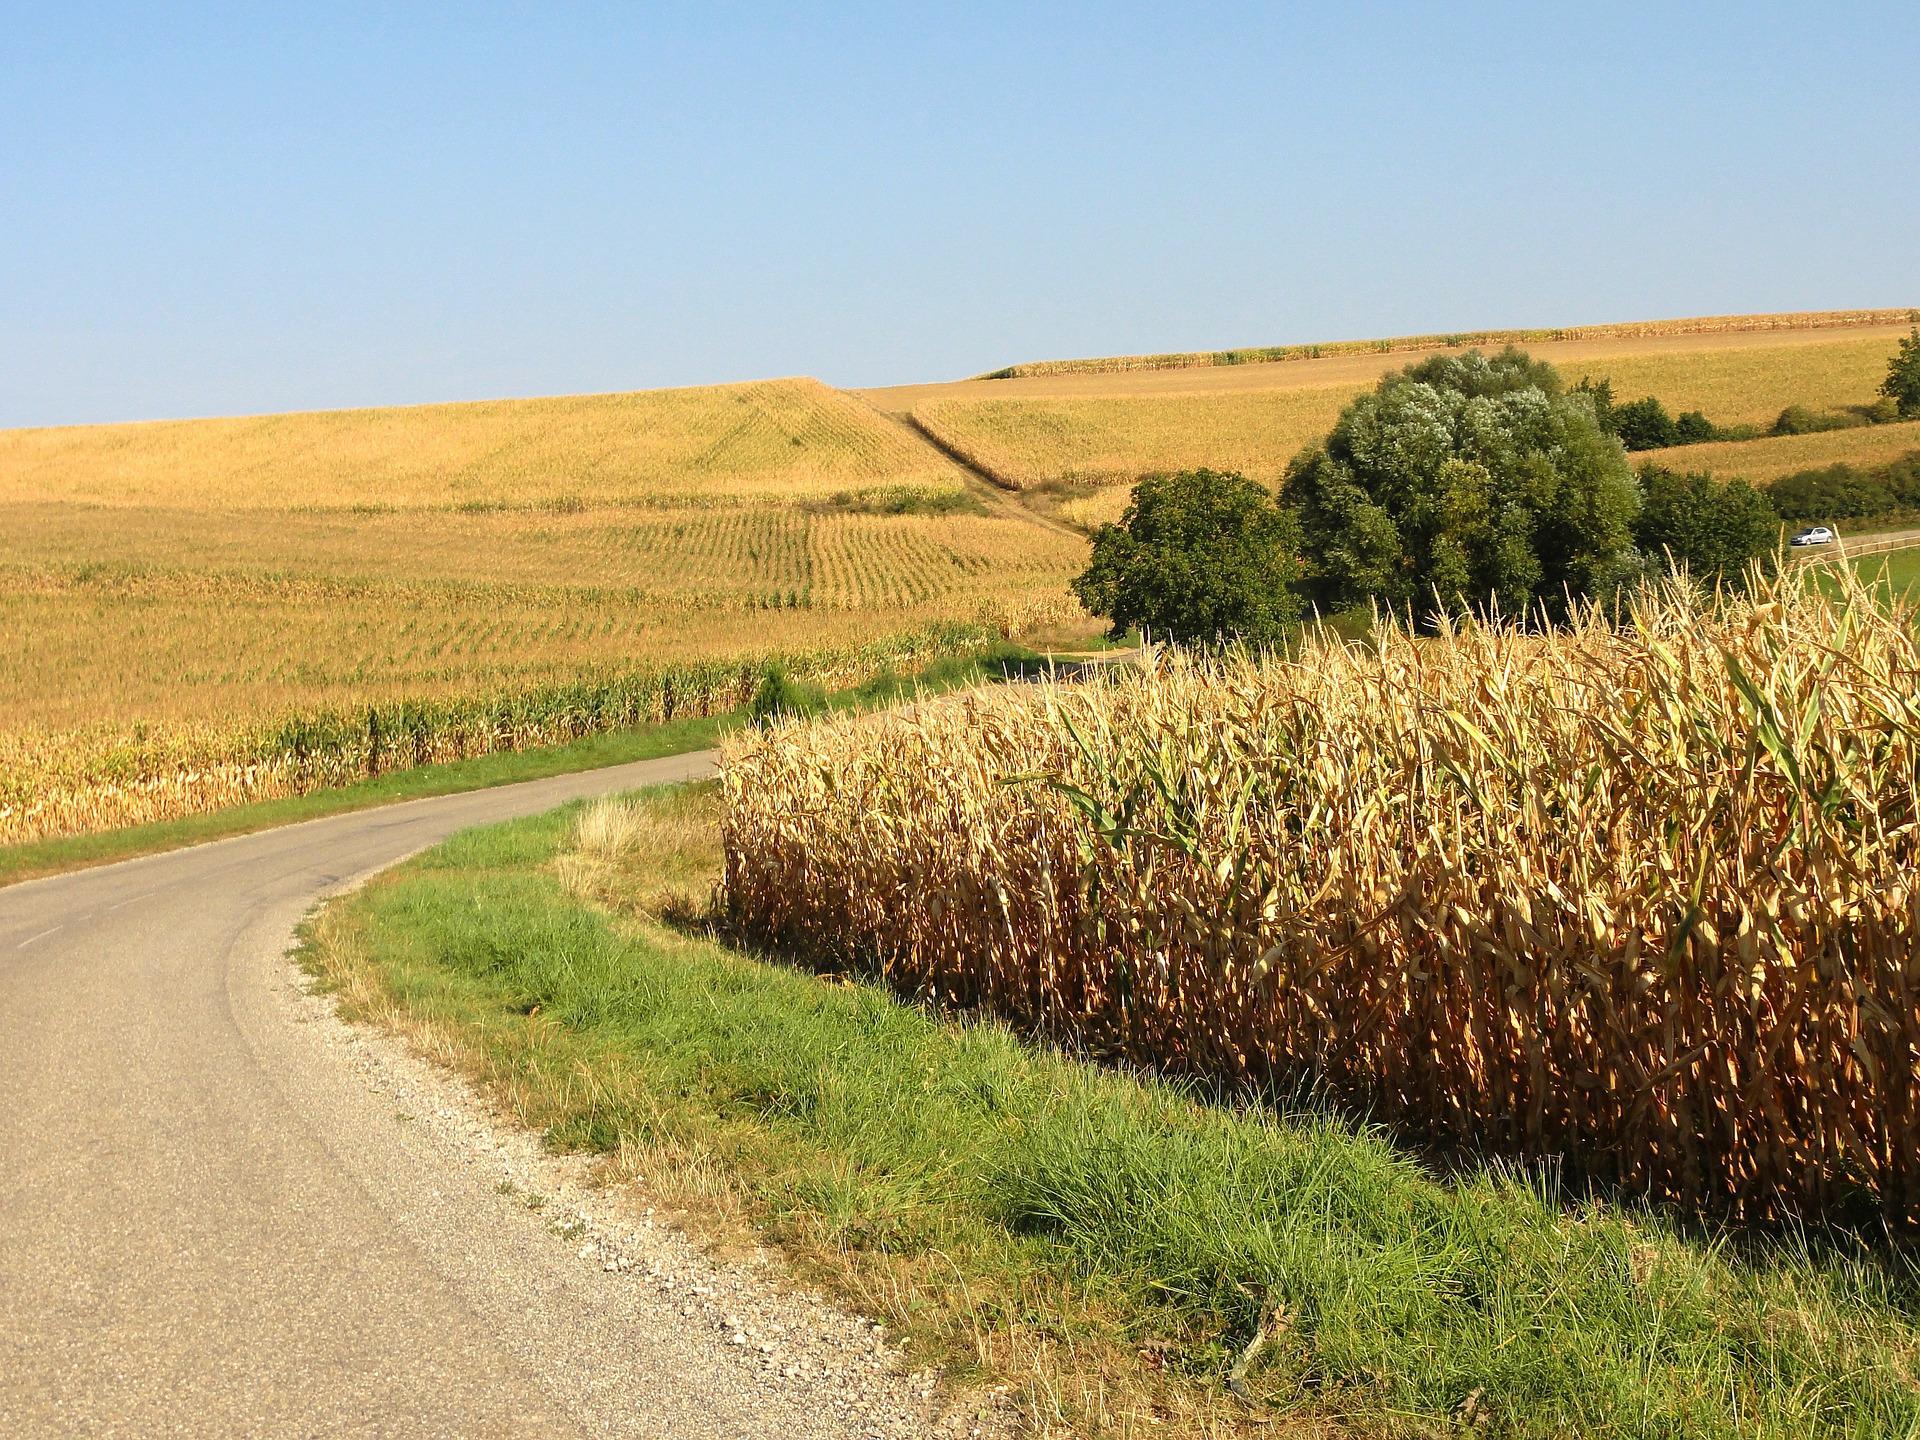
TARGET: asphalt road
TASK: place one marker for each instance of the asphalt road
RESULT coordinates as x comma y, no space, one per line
209,1228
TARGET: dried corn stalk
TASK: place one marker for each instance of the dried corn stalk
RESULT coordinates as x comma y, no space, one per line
1642,895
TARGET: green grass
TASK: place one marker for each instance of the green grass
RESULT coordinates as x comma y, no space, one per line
1899,569
1892,573
1017,1207
74,852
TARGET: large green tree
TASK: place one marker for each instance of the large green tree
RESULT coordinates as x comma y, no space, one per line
1902,385
1462,482
1203,557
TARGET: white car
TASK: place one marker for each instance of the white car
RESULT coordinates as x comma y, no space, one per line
1813,535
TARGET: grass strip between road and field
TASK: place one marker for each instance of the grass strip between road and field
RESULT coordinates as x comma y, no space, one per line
35,858
1130,1257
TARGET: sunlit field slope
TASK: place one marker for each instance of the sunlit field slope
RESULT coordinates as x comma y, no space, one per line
1777,455
784,440
1104,430
132,616
244,601
1691,326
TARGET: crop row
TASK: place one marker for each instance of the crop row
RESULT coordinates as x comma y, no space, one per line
63,783
1631,330
1638,897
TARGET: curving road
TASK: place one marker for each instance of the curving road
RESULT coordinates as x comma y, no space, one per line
210,1227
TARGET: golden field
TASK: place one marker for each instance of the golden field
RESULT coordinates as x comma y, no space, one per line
1105,430
1777,455
137,616
1348,869
1688,327
1361,369
174,596
1115,439
178,591
779,440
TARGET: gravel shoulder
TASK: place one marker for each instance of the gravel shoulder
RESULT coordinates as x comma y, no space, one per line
619,1313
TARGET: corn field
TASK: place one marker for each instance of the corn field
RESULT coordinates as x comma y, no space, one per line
1631,330
1644,896
64,783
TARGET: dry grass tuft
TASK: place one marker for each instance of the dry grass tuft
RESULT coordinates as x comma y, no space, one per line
653,854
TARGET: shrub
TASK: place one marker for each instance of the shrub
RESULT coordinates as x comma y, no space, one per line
1799,420
1796,420
1203,556
1461,482
1693,428
1645,425
901,500
1901,479
1714,531
1599,394
1902,385
1831,492
781,697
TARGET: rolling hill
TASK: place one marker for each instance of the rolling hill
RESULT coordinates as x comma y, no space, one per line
1082,434
180,596
175,595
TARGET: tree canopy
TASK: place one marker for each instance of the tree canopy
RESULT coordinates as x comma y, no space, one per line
1902,385
1204,556
1712,530
1464,481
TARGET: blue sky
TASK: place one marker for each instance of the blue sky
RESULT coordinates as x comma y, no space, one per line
216,210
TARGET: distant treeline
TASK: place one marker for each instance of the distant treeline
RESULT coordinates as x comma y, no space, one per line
1843,491
1645,424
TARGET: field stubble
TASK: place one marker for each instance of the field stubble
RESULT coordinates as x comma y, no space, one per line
771,440
1782,327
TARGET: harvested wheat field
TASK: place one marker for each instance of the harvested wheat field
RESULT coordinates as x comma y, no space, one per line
179,598
1723,329
784,440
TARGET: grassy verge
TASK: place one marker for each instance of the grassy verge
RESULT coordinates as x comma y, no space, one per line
73,852
1889,573
1898,569
1124,1254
